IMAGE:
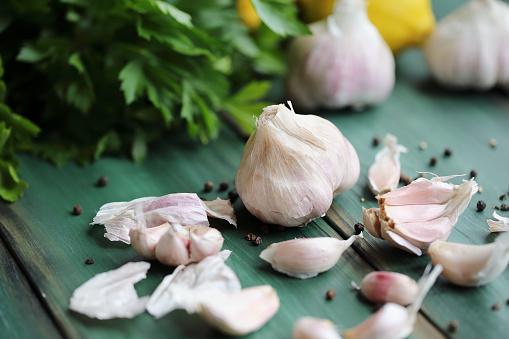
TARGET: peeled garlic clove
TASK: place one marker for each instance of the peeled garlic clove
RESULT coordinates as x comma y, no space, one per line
468,48
393,321
471,265
241,312
306,257
383,287
314,328
345,62
111,294
499,225
293,165
414,216
185,209
189,285
384,173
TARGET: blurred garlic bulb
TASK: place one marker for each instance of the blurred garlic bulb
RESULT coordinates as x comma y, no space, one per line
306,257
314,328
293,166
383,287
345,62
384,173
414,216
499,225
393,321
241,312
471,265
470,47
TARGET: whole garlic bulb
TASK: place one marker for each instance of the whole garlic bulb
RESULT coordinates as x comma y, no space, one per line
292,167
345,62
470,47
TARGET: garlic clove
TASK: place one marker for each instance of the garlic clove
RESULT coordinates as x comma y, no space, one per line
306,257
499,225
188,285
292,167
384,173
185,209
383,287
144,241
471,265
314,328
414,216
111,294
205,241
393,321
241,312
173,247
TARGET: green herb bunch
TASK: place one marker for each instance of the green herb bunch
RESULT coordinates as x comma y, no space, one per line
110,76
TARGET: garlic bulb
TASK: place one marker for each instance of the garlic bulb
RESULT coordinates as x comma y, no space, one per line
499,225
306,257
384,173
241,312
393,321
414,216
293,165
314,328
111,294
345,62
185,209
471,265
470,48
383,287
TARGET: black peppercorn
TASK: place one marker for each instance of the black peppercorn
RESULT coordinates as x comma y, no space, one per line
376,141
331,294
503,197
504,207
473,173
453,326
496,307
209,185
223,185
233,195
102,181
77,210
258,241
358,227
250,237
447,152
89,261
481,205
433,161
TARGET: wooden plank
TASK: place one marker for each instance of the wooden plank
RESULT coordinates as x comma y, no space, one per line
21,314
53,245
418,110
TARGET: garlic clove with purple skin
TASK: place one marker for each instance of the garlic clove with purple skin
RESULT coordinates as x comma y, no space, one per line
306,257
292,167
383,287
499,225
414,216
384,173
345,62
314,328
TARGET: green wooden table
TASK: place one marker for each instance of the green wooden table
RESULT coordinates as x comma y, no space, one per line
43,246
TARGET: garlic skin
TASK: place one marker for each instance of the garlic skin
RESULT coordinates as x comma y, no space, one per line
185,209
499,225
345,62
306,257
469,48
384,173
292,167
414,216
471,265
241,312
393,321
111,294
314,328
384,287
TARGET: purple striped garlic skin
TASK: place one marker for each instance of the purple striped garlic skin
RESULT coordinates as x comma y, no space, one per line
414,216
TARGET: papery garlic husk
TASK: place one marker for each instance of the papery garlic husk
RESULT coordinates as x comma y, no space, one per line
292,167
470,47
471,265
241,312
111,294
314,328
345,62
499,225
393,321
189,285
384,287
306,257
414,216
185,209
384,173
183,245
